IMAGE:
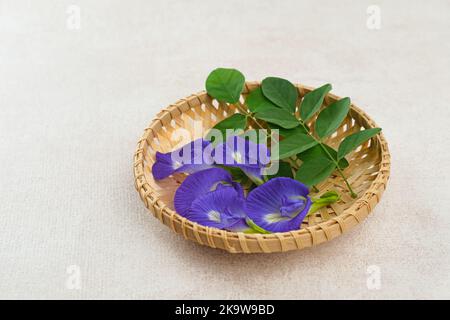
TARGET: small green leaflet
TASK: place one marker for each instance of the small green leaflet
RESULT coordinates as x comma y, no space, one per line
256,101
354,140
294,144
236,121
318,152
288,132
225,84
312,101
278,116
313,172
254,136
281,92
331,117
284,170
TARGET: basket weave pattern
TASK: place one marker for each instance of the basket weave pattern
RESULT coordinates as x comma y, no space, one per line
368,174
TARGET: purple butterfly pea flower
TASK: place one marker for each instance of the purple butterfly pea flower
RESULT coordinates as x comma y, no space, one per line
243,153
199,184
279,205
222,209
189,158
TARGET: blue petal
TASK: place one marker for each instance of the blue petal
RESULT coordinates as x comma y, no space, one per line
222,209
278,205
163,167
200,183
240,151
240,226
189,158
245,154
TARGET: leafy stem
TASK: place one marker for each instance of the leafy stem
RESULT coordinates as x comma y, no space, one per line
244,111
341,173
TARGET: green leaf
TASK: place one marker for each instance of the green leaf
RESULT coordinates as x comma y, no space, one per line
256,101
236,173
314,172
225,84
318,152
312,101
253,135
354,140
284,170
288,132
236,121
294,144
330,118
281,92
278,116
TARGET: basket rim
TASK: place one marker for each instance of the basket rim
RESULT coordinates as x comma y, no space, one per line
366,200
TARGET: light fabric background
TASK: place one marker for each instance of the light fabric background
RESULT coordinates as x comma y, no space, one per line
73,103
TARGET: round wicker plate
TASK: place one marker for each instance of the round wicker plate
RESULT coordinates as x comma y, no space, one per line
368,173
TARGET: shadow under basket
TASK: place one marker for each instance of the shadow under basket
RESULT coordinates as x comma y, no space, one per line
368,174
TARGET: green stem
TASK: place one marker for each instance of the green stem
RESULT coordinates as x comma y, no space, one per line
352,193
341,173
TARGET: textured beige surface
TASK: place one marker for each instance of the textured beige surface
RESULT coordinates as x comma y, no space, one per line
74,102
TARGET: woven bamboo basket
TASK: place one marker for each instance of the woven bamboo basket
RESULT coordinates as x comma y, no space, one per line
368,174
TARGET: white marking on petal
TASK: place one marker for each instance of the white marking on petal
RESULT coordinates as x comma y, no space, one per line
215,185
176,165
214,215
275,217
298,198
